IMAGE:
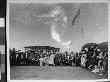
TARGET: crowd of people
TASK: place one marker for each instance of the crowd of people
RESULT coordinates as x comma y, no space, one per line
95,60
43,59
92,59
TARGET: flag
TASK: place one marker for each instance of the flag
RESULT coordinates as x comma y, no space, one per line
75,17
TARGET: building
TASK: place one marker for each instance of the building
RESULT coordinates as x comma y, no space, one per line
41,49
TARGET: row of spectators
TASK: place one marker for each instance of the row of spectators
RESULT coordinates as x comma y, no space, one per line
32,58
18,58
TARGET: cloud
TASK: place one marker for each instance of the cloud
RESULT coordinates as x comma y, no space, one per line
66,44
54,34
54,13
58,25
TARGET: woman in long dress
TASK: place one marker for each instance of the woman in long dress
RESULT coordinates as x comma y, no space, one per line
51,60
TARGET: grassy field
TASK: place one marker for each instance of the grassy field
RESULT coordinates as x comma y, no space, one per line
51,73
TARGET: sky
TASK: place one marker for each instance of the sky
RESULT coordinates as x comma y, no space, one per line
37,24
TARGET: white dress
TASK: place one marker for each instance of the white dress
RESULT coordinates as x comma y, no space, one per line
51,60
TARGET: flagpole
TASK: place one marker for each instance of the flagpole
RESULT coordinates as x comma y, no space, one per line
82,35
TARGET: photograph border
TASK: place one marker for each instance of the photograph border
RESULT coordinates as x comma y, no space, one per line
3,46
53,1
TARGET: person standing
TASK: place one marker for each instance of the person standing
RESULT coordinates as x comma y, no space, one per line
51,60
83,60
41,61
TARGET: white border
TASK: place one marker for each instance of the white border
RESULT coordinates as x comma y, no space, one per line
7,35
52,1
56,1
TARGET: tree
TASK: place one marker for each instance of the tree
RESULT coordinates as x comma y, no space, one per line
103,46
88,45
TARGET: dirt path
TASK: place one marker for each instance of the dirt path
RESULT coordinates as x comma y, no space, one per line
51,73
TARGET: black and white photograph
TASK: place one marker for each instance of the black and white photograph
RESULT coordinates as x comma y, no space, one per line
58,41
2,41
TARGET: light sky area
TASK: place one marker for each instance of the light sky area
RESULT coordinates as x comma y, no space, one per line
36,24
